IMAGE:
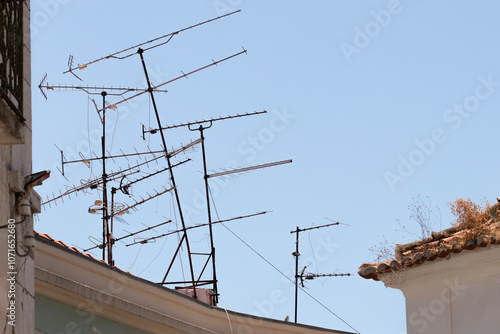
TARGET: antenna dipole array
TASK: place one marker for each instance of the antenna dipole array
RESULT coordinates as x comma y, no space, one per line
132,234
152,88
246,169
112,210
173,153
308,276
44,86
202,126
205,121
311,276
145,241
143,200
160,41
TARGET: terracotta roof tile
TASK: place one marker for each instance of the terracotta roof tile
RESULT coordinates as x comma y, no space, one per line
61,243
439,245
73,249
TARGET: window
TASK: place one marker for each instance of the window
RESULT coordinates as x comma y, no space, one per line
11,55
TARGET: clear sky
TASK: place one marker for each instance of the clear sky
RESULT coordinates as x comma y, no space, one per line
376,102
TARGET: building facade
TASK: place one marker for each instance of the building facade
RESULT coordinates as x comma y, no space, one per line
76,293
450,280
17,199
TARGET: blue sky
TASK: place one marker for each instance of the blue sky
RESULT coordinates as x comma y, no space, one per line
376,103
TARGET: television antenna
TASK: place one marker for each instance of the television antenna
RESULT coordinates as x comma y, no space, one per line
201,126
107,209
111,210
132,50
307,276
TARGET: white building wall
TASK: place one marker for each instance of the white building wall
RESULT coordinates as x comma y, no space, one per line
456,295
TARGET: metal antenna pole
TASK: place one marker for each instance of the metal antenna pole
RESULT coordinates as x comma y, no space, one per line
111,241
157,40
205,177
296,254
150,89
105,228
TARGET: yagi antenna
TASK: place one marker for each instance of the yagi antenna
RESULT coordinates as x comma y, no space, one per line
184,75
131,234
246,169
44,87
144,200
124,187
205,121
112,210
125,53
92,184
296,254
184,237
151,90
203,125
126,155
195,226
311,276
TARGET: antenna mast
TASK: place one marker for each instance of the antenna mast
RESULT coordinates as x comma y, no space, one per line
303,276
110,210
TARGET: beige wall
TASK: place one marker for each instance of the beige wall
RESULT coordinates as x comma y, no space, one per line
95,288
15,164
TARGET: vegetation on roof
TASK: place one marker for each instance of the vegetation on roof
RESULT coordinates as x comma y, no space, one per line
473,218
471,221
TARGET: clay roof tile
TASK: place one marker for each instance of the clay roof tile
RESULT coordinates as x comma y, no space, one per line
440,244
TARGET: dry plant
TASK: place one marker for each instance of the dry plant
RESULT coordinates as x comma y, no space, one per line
471,217
423,215
383,251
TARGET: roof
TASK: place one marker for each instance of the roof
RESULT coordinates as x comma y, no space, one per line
246,318
439,245
46,237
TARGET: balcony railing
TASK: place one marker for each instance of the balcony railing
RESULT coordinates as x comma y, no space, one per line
11,55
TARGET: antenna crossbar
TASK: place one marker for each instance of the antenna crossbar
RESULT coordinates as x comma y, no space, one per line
246,169
113,156
147,162
87,89
153,131
115,55
143,201
126,186
195,226
311,276
131,234
184,148
126,155
313,228
184,75
111,177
